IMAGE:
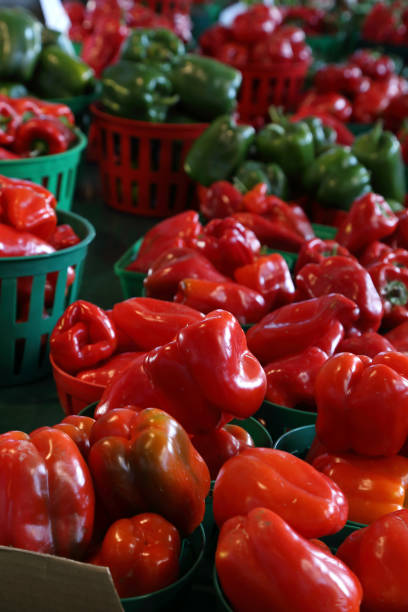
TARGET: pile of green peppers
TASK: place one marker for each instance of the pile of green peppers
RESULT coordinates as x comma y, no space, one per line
156,80
298,158
37,59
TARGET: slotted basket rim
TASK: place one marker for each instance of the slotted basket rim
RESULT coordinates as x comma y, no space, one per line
275,67
126,122
37,161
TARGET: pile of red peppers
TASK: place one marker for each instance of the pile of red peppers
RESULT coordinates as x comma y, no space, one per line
387,23
30,127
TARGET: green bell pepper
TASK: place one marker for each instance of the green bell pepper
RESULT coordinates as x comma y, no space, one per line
20,44
137,91
59,75
13,90
250,173
61,40
380,152
207,88
331,160
324,136
219,150
288,144
153,46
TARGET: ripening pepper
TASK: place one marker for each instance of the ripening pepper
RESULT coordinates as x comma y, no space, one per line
217,446
142,554
83,337
309,501
151,46
369,343
175,265
59,75
137,91
247,305
378,555
293,328
20,44
206,371
290,381
154,468
316,251
207,88
218,151
343,275
250,173
270,276
370,218
373,486
380,152
47,496
263,564
78,428
362,403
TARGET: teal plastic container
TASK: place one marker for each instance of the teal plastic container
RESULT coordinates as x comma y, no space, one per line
325,232
328,47
24,346
79,104
280,419
359,128
55,172
131,281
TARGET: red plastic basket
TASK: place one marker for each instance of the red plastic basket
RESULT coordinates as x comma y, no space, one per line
169,7
74,394
141,164
276,85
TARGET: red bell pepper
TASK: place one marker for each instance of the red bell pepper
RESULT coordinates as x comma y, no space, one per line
228,244
74,10
370,104
373,486
233,53
378,555
257,23
391,283
362,403
9,122
269,276
247,305
83,337
47,497
105,373
370,218
78,428
369,344
155,468
379,23
316,251
150,323
14,243
290,216
221,444
346,276
399,337
263,564
342,78
403,138
101,47
43,136
63,237
207,370
399,239
6,154
372,63
54,109
291,329
142,554
329,103
213,38
270,233
396,112
309,501
373,253
174,232
42,191
291,380
175,265
25,107
28,211
219,200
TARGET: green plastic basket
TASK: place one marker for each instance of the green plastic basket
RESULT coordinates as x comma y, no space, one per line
24,346
359,128
55,172
131,281
78,104
325,232
328,47
280,419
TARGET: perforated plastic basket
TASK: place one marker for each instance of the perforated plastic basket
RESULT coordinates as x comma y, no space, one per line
141,164
24,343
55,172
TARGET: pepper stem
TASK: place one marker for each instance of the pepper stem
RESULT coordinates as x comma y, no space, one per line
396,292
376,133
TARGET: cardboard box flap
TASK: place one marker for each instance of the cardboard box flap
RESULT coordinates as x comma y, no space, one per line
32,582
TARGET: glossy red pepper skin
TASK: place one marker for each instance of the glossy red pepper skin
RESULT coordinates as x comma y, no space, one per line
291,329
39,189
154,469
379,23
6,154
233,53
14,243
47,493
37,107
63,237
83,337
398,336
372,64
149,322
345,79
269,276
291,380
262,477
290,216
373,253
247,305
9,122
212,39
219,200
362,403
253,548
396,112
175,265
369,219
378,555
43,136
221,444
174,232
329,103
343,275
369,344
78,428
391,283
270,233
370,104
142,554
105,373
207,370
316,251
28,211
257,23
228,244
